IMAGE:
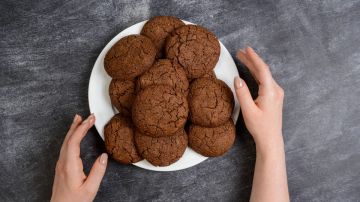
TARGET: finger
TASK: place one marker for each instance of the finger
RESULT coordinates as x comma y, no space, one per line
80,132
246,102
256,59
74,125
261,70
76,122
242,56
96,174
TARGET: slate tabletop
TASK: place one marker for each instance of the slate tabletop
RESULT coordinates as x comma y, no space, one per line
47,51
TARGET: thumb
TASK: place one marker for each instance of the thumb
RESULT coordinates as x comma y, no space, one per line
96,174
246,102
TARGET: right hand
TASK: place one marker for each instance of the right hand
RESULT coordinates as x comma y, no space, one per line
263,117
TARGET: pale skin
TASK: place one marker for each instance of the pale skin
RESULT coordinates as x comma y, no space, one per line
263,119
71,183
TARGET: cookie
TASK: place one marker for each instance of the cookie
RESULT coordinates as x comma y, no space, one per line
211,102
119,140
195,48
161,151
210,74
130,57
122,95
159,110
158,28
167,73
212,142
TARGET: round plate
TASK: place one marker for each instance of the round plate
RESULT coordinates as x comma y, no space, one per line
100,104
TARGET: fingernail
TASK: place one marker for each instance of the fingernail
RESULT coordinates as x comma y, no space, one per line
92,118
76,118
238,83
103,158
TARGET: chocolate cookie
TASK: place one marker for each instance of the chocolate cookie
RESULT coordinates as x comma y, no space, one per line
122,95
195,48
211,102
161,151
212,142
159,110
158,28
167,73
130,57
119,140
210,74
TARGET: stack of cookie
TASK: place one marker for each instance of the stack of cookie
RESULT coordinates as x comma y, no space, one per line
161,80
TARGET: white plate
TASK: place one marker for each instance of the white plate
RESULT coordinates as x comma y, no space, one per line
100,105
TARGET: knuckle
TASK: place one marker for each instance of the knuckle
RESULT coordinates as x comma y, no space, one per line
281,92
71,141
59,166
68,169
272,94
277,92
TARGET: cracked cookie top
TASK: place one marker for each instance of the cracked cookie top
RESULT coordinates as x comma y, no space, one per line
166,73
130,57
158,28
211,102
162,151
210,74
119,140
159,110
212,142
195,48
122,95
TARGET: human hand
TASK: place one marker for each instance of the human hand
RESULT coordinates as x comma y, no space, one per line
71,183
262,117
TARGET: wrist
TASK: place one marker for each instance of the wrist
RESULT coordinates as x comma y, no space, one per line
270,147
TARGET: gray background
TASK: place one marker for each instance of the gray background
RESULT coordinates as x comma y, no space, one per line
48,48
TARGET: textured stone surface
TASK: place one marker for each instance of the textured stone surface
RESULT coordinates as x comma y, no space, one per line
47,50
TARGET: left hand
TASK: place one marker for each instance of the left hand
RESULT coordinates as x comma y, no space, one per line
71,183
